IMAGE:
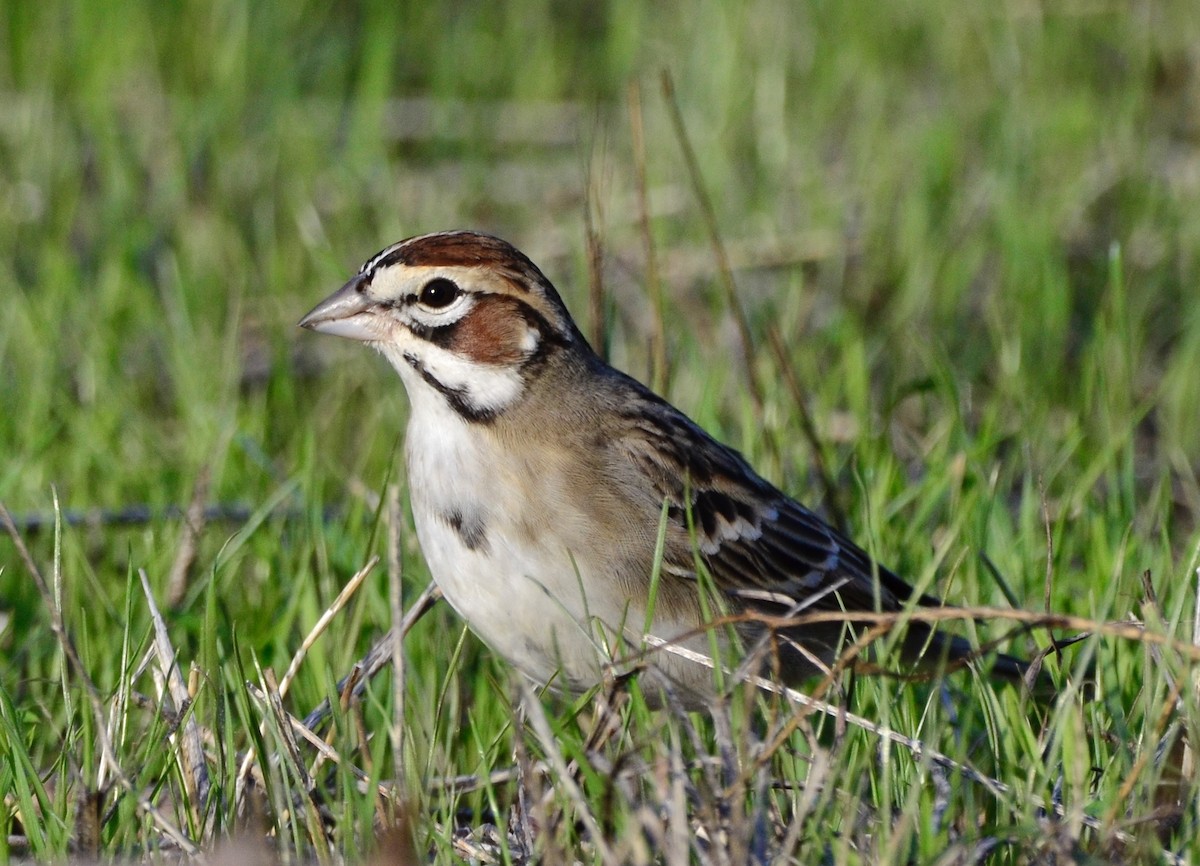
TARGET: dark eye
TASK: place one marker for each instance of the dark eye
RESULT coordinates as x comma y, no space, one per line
439,293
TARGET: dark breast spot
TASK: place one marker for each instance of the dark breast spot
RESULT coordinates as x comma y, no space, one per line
470,527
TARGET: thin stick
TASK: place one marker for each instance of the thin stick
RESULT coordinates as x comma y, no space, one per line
660,372
380,655
833,496
1126,630
714,236
323,622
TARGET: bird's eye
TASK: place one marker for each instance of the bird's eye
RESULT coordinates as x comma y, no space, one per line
439,293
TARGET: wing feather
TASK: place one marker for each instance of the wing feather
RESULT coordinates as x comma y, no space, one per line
757,542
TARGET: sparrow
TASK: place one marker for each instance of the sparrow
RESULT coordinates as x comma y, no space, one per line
567,512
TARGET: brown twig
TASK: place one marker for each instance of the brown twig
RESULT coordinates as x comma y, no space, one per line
833,497
1124,630
660,371
380,655
714,235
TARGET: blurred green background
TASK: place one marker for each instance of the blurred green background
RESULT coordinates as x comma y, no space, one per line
975,226
181,181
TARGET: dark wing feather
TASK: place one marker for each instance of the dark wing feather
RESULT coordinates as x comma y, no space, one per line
763,548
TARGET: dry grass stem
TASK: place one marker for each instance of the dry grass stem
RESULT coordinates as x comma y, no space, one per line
660,372
381,653
194,519
395,573
833,495
67,645
173,693
724,270
343,597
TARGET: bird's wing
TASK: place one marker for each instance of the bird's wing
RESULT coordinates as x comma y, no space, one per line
764,550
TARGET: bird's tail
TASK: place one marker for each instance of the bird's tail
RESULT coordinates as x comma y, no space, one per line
937,650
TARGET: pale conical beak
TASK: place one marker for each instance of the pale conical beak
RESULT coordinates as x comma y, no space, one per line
348,312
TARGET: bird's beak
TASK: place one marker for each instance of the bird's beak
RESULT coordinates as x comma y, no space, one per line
348,312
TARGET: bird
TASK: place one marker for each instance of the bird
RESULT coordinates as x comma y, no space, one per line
570,515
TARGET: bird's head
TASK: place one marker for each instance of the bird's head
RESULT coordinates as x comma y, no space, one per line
463,313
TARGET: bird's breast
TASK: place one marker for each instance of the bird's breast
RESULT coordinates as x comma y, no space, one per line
484,524
543,564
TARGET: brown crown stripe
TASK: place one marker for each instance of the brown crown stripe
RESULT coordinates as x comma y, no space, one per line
459,249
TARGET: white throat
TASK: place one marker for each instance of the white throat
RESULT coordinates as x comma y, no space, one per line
475,391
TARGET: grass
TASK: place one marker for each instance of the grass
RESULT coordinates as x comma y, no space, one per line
972,232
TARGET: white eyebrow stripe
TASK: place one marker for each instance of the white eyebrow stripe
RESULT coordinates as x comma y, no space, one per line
374,261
